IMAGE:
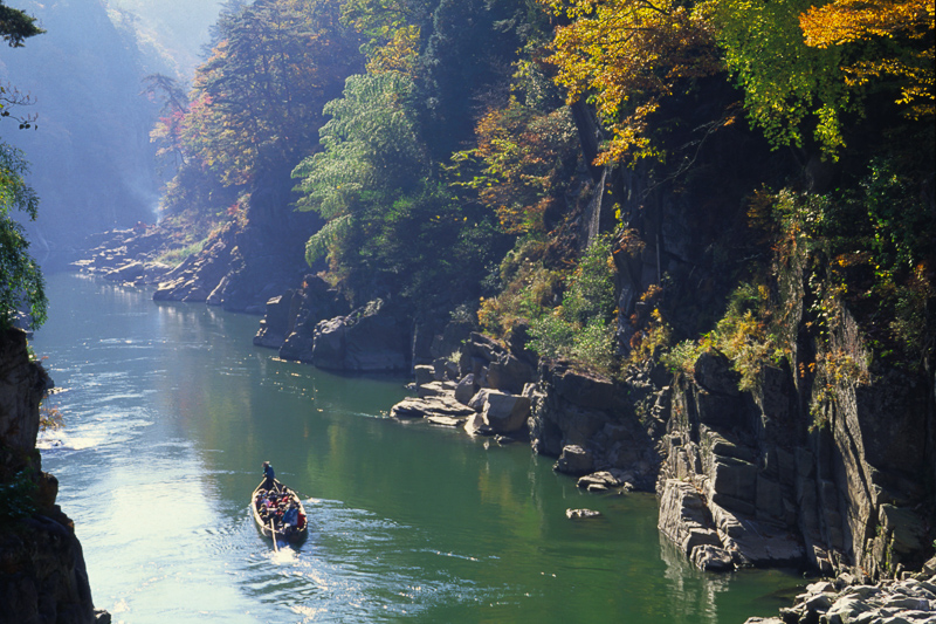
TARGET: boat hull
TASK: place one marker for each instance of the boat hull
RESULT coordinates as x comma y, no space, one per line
294,537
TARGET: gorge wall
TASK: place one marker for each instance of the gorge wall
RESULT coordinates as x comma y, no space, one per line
43,579
827,460
761,477
810,467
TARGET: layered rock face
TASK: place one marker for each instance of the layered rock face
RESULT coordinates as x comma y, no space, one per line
750,478
42,571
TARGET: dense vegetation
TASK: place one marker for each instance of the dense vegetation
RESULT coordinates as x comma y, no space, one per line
21,283
455,151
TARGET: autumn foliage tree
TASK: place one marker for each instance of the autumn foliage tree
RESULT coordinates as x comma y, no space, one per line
256,104
891,40
625,56
525,159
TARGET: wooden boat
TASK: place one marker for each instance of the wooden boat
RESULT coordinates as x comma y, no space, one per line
294,535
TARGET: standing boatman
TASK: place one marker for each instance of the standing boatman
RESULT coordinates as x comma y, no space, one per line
270,475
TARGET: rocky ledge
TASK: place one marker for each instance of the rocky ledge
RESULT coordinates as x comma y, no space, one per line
128,256
848,600
489,390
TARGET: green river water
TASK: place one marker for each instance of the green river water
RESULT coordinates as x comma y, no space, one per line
170,411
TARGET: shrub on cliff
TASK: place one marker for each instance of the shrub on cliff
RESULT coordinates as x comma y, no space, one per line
581,329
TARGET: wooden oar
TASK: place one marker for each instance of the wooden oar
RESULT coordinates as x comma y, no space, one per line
273,529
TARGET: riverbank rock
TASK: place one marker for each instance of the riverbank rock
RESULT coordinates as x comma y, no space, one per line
582,514
369,339
504,412
589,424
687,522
128,256
494,366
199,275
442,408
574,460
291,318
606,480
845,601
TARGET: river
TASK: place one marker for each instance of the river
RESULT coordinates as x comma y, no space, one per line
170,411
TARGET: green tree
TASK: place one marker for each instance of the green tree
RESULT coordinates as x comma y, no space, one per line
391,226
16,26
372,154
788,86
21,283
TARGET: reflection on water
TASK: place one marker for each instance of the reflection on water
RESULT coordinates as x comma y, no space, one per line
169,413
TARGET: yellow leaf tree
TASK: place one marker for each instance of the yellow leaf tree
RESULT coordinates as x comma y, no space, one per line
895,39
625,56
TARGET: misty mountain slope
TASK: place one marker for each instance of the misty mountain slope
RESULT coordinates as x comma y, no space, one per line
91,159
177,30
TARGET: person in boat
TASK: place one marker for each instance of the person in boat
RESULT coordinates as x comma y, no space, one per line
270,476
291,517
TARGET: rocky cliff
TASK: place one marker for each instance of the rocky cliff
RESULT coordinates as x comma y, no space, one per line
744,478
253,258
42,571
831,477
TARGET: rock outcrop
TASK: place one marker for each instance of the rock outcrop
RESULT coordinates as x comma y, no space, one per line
43,579
851,600
291,318
459,389
780,490
589,424
128,256
369,339
251,259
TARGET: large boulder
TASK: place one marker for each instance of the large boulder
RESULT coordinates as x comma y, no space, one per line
466,389
575,460
509,374
370,339
291,325
276,323
505,413
428,407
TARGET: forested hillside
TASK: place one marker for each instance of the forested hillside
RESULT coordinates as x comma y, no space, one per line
434,137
